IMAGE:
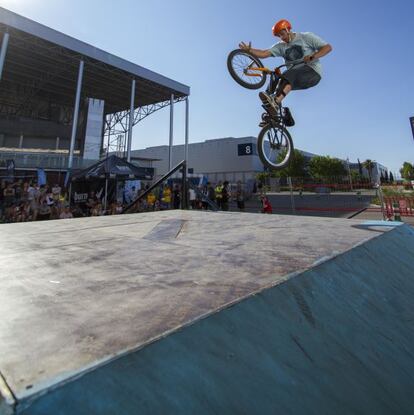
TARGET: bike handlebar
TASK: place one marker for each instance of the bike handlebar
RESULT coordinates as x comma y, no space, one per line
292,63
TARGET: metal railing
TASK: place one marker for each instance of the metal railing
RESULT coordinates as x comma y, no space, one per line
43,160
184,203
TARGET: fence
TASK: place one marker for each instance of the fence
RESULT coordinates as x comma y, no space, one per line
398,205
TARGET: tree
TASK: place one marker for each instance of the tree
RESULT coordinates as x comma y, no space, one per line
326,167
407,171
369,165
262,177
356,177
296,167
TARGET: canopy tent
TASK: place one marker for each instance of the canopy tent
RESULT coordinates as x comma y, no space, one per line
113,167
107,172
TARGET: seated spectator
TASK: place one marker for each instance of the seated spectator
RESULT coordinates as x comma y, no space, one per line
118,208
66,213
44,209
97,210
78,212
91,202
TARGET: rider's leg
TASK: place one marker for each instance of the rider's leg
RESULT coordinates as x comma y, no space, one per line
281,95
283,88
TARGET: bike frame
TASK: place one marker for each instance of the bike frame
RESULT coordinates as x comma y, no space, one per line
277,71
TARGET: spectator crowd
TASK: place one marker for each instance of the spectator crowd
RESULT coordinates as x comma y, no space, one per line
25,200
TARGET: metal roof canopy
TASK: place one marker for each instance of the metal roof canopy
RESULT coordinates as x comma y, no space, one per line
40,56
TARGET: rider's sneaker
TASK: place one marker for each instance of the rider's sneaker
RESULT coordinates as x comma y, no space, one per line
271,106
265,119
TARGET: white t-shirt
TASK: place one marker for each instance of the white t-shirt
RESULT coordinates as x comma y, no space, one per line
302,45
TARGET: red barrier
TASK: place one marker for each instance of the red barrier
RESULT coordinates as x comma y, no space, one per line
405,204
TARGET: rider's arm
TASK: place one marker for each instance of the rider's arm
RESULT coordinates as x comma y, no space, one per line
320,46
259,53
324,50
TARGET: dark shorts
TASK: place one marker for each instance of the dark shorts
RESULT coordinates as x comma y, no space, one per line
302,77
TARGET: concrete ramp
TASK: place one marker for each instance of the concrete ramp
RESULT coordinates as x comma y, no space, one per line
206,313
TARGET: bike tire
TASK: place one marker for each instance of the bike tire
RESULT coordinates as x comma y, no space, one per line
234,73
262,139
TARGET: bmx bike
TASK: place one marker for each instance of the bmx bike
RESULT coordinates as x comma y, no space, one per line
274,142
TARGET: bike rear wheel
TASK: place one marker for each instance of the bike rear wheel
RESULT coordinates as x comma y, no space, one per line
239,62
275,146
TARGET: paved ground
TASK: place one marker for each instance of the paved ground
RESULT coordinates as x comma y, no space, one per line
373,213
335,205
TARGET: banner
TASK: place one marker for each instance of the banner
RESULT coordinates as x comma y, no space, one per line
412,125
67,177
41,177
10,167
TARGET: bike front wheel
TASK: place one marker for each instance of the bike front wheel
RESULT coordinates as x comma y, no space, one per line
275,146
241,65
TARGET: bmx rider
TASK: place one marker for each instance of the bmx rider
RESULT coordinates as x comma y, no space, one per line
292,47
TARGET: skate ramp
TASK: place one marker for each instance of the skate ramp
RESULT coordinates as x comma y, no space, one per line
193,312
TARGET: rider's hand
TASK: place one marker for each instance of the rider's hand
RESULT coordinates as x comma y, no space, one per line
309,58
245,46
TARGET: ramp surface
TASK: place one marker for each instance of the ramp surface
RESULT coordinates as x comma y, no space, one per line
194,312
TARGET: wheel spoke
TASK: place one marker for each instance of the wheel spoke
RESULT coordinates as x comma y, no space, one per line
240,63
274,143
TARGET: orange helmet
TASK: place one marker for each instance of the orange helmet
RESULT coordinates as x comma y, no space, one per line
280,25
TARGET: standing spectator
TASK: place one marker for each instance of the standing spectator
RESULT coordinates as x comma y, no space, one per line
211,194
240,196
151,198
25,192
56,190
18,190
26,211
2,188
33,195
166,197
266,206
176,197
225,196
9,199
192,197
218,194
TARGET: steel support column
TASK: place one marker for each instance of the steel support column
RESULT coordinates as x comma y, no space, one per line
187,105
3,51
171,132
75,114
131,120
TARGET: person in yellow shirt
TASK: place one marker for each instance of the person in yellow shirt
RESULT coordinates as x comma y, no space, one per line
166,197
151,200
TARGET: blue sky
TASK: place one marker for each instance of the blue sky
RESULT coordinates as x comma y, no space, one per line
359,110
